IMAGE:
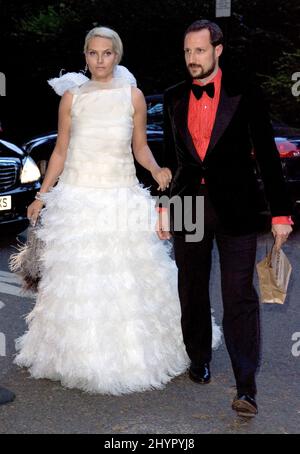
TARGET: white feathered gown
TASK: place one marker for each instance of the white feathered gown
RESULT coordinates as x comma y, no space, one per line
107,316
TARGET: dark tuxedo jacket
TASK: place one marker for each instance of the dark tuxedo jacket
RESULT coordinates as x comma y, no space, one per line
242,122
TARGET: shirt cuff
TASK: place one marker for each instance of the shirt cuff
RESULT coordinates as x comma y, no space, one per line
161,209
282,220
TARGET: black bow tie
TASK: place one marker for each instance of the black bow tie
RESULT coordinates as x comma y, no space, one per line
199,89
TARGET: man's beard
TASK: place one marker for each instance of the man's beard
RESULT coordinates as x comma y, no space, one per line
205,74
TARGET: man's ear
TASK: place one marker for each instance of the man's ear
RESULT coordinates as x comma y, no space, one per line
219,50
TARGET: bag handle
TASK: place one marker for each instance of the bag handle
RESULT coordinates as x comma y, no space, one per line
270,251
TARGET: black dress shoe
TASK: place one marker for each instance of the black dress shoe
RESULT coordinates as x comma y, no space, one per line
200,373
6,396
245,405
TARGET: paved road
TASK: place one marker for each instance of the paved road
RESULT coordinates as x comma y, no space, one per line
182,407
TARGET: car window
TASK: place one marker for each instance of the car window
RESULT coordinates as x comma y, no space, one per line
154,116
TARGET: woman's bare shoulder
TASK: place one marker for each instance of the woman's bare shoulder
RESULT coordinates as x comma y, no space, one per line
138,97
66,100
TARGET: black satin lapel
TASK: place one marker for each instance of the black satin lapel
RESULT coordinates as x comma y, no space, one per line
226,109
181,123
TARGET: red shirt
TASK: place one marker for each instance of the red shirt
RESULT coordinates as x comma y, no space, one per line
202,115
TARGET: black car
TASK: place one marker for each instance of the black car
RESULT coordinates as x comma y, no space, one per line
19,182
287,140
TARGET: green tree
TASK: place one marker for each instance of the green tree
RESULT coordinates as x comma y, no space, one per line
40,38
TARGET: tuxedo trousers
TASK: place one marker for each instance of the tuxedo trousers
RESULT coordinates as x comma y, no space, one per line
241,325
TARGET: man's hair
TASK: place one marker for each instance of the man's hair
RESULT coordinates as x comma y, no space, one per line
216,34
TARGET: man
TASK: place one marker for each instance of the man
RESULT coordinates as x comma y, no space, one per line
6,396
212,122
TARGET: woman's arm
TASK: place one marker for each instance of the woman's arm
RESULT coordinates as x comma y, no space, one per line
58,156
141,150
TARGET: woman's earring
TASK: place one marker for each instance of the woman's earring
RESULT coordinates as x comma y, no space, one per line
85,70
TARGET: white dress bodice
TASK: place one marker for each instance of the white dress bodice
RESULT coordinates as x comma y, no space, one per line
99,153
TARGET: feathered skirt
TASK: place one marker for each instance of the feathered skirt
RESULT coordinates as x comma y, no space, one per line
107,315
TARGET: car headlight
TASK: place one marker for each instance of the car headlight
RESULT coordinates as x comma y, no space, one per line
30,171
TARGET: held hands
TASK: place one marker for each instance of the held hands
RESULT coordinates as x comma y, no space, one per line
33,211
281,233
163,176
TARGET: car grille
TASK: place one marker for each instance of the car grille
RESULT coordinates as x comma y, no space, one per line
8,173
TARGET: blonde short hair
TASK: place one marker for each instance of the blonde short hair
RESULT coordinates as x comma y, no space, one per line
105,32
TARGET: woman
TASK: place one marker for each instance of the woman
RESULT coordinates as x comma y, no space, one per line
107,317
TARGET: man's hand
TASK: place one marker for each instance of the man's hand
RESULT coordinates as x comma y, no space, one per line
163,226
281,233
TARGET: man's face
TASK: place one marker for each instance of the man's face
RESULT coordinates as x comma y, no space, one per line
201,57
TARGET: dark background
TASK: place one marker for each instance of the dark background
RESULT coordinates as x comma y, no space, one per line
38,38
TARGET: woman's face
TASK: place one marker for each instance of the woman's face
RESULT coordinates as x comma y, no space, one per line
101,58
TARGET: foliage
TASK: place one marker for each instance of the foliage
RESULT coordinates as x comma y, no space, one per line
41,37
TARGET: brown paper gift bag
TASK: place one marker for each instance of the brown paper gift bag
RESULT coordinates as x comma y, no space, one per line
274,273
